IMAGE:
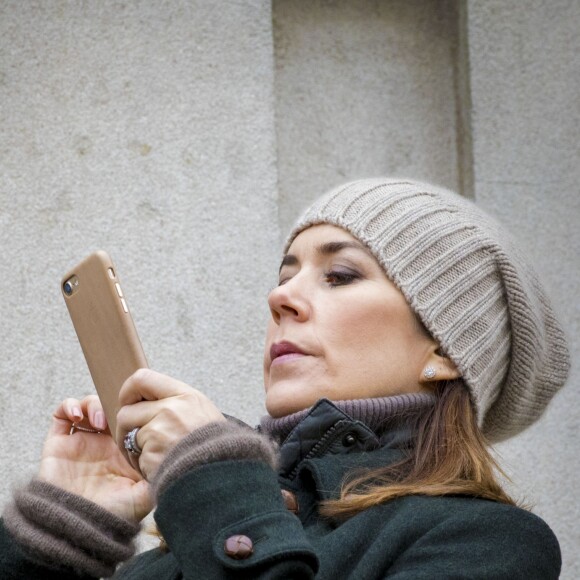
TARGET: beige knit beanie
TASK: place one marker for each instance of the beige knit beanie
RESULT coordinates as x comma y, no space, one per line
470,285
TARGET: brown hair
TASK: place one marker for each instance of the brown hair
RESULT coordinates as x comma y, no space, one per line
449,456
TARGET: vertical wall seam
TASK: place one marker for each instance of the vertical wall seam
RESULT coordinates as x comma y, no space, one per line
463,103
275,120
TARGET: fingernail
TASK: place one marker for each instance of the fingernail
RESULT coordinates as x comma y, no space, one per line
99,420
77,413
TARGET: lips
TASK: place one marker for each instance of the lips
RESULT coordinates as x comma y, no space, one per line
284,348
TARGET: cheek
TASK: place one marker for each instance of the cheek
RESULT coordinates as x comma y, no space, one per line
369,316
387,326
348,331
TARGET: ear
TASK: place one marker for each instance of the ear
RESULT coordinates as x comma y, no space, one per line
438,367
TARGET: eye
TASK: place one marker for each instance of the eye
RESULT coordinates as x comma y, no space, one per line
340,278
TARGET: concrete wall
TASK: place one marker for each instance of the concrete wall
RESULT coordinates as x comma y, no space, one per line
145,129
525,80
184,137
363,88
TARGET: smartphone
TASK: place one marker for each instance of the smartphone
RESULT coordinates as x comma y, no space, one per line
106,332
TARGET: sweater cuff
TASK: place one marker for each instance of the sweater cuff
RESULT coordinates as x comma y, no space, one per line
218,441
59,529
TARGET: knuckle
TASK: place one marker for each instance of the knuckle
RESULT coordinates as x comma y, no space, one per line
142,375
165,415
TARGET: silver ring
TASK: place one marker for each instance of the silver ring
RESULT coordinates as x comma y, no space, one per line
130,442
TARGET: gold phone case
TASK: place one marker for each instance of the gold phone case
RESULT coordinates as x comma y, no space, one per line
105,329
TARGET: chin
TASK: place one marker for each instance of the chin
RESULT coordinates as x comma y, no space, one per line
280,405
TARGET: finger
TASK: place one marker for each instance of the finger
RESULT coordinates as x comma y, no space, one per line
136,415
95,413
68,412
188,408
70,409
149,385
87,413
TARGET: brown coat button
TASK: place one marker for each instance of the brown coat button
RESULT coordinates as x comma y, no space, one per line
290,501
239,547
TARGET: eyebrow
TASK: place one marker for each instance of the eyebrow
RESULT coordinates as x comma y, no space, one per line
326,249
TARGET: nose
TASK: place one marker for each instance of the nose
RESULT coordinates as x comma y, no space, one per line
289,300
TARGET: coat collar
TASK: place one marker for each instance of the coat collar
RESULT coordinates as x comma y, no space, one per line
325,430
328,443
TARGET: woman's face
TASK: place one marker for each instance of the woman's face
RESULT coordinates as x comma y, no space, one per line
340,329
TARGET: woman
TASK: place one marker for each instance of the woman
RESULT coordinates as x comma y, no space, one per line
405,332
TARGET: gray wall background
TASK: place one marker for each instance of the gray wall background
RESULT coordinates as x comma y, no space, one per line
184,137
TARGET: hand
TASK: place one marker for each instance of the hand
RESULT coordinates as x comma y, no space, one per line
90,464
165,410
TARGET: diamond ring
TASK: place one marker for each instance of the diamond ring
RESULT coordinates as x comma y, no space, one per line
130,442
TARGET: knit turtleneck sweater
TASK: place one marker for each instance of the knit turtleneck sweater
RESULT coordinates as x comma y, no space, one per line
377,414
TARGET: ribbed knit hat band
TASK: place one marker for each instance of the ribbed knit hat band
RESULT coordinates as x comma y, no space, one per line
470,286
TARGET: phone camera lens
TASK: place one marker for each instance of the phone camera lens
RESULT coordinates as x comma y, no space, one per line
68,289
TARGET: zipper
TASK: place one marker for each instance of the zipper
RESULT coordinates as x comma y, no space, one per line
319,448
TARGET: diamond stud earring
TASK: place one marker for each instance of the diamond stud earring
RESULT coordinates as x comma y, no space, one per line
429,372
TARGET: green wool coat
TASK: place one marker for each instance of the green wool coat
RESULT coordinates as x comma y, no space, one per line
415,537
